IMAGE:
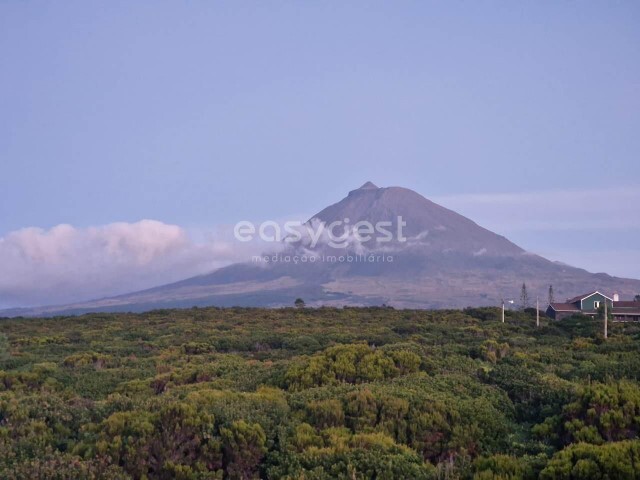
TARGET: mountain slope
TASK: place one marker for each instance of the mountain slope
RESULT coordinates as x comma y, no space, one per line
434,227
441,259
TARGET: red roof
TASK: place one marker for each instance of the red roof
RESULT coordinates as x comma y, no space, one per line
626,304
581,297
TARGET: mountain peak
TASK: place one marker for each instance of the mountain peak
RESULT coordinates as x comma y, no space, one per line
431,228
368,186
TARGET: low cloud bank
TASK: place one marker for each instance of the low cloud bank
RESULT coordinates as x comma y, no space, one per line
67,264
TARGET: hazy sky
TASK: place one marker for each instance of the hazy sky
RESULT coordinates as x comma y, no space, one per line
524,116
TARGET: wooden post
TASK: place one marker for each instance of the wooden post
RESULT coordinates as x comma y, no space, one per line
606,318
537,311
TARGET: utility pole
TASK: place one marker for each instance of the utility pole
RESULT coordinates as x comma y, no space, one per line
606,318
537,311
503,310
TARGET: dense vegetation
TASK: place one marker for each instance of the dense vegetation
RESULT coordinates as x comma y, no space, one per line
324,393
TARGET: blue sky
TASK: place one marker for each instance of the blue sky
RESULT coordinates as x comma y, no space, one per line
200,114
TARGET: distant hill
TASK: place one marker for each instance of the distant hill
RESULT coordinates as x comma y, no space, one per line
446,260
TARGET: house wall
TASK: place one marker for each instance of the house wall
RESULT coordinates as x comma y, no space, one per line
588,303
551,313
628,317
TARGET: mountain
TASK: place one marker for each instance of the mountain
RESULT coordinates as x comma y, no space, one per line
388,245
435,228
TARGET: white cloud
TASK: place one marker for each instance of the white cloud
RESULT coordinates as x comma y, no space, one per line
66,264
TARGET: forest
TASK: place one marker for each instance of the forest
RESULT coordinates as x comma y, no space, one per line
318,393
